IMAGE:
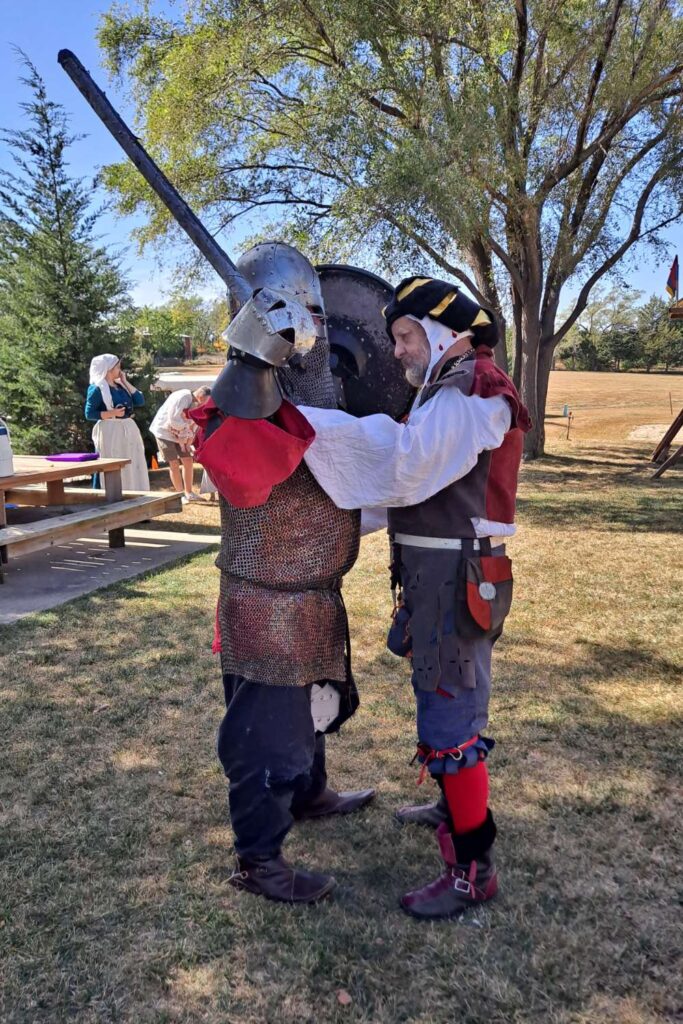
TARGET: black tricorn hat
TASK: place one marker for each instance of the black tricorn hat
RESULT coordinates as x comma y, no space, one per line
442,301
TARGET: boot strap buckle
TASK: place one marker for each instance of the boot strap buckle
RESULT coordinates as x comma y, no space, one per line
463,885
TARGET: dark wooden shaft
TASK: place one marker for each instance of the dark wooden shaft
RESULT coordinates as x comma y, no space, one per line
155,177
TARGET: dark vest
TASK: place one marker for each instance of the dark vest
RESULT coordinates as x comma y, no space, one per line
489,489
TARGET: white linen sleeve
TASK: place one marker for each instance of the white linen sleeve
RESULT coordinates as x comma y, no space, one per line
373,461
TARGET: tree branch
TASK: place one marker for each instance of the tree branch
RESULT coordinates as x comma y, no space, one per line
375,101
610,129
570,224
507,262
280,168
422,242
633,236
596,76
278,91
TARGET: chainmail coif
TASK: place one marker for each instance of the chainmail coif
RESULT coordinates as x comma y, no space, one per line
310,383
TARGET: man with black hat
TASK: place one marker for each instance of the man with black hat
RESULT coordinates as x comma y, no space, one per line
449,477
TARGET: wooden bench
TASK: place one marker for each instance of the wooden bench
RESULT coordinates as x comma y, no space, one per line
68,496
107,518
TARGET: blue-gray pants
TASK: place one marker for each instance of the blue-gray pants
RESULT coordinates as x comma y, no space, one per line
451,675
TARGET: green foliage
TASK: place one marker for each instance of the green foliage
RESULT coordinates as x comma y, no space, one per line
367,122
614,333
534,142
159,329
62,297
661,338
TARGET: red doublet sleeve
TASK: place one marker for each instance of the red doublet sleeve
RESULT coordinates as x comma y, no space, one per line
247,458
501,486
490,380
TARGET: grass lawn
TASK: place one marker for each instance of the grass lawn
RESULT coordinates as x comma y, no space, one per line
115,844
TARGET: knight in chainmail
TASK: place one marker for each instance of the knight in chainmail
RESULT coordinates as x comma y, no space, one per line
282,629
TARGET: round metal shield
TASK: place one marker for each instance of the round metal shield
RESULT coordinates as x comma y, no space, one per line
361,354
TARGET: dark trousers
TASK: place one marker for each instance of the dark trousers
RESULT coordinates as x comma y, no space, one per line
273,758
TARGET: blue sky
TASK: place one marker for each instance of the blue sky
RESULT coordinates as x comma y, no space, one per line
41,28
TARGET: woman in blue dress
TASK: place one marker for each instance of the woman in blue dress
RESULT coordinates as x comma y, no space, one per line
109,405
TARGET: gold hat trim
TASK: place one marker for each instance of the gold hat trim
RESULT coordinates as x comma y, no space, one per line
446,301
417,283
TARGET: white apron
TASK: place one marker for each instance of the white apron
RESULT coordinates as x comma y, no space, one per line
121,439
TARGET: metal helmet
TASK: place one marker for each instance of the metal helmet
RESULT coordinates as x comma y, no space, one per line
267,331
282,268
271,326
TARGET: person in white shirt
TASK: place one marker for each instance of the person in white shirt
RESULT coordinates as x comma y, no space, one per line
449,478
174,433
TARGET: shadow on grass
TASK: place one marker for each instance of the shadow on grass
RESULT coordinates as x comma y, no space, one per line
117,853
599,660
178,526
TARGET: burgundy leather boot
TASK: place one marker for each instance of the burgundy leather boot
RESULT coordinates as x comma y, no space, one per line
277,880
469,876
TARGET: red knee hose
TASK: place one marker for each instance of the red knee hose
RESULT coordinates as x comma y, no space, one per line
467,795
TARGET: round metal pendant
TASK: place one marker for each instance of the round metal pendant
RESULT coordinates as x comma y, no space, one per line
487,591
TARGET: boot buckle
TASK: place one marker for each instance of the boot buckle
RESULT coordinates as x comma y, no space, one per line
463,885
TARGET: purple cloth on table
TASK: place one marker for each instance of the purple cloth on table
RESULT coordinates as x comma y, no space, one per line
73,457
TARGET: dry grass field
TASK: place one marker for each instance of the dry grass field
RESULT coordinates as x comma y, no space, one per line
608,406
114,838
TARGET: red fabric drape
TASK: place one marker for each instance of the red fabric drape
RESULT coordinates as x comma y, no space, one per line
247,458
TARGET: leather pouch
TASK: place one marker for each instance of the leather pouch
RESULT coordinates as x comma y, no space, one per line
399,640
484,595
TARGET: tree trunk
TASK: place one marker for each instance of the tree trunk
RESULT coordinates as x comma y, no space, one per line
481,261
545,365
519,338
531,332
500,352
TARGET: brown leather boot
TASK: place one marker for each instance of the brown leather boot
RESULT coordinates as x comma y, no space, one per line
464,882
330,802
430,815
277,880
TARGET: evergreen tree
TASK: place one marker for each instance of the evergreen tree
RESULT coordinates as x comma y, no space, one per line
61,293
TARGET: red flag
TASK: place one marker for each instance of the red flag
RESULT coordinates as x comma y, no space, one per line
672,282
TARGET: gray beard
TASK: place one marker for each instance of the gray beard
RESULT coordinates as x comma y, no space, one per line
415,375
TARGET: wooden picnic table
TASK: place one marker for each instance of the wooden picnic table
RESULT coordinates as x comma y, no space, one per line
33,471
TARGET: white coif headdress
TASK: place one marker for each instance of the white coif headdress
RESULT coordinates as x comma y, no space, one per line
440,338
99,367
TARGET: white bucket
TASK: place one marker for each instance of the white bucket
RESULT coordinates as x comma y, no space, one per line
6,460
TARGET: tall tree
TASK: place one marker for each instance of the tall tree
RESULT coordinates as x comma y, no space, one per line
661,339
515,145
61,294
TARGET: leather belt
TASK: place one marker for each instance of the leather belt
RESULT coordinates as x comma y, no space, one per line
444,543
